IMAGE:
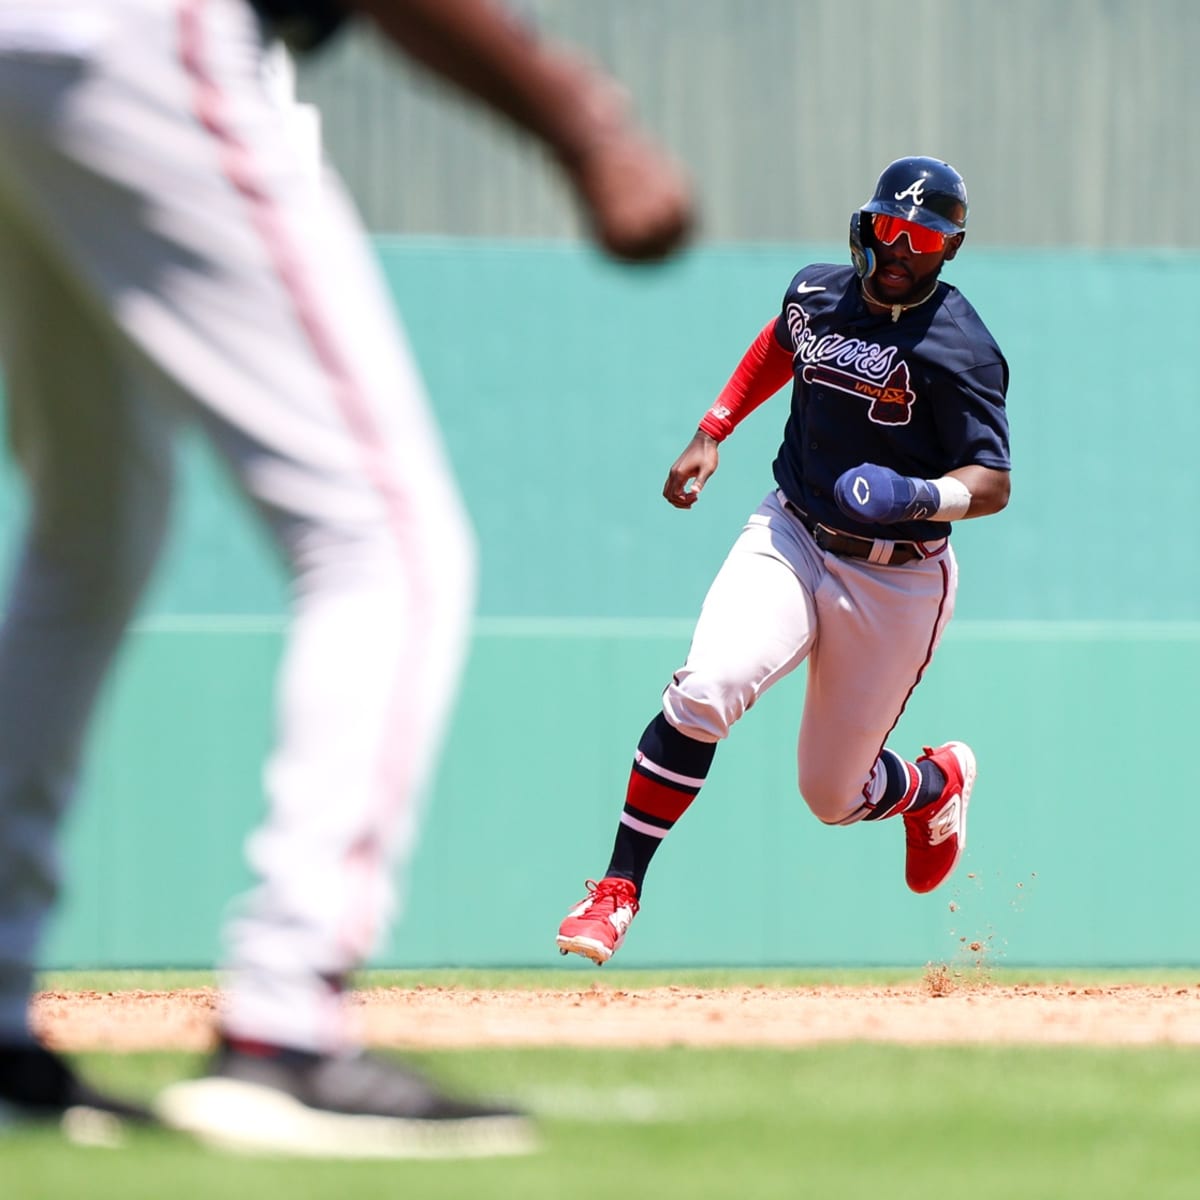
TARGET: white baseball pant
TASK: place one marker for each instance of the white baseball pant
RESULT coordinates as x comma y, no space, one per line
167,255
867,632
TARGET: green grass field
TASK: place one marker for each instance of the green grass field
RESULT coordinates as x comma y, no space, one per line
834,1121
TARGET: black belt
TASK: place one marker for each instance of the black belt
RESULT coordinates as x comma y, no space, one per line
834,541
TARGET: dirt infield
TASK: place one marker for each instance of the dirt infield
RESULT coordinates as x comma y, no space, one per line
939,1009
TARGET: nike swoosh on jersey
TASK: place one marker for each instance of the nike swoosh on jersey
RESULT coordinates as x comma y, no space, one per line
803,288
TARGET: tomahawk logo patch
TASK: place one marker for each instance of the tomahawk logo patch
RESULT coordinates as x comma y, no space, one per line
864,369
890,402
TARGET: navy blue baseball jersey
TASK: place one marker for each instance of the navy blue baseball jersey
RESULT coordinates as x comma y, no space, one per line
923,395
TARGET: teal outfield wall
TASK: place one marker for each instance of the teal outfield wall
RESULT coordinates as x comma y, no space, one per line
566,387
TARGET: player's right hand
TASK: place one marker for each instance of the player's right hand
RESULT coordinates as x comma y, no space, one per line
691,471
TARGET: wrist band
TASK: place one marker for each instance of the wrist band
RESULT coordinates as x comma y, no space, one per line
955,498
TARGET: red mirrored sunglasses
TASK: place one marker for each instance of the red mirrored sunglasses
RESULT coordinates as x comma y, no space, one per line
921,238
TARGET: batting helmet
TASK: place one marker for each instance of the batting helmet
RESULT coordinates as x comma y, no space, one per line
926,191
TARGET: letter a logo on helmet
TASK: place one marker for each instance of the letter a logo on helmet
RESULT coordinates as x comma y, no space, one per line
915,189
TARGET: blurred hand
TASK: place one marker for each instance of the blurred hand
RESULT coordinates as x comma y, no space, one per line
637,200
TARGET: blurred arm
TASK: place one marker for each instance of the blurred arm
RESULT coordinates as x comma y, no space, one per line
636,199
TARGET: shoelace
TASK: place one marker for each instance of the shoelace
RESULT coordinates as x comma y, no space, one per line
619,892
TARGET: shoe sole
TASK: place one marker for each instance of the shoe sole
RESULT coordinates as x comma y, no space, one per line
246,1118
966,760
587,947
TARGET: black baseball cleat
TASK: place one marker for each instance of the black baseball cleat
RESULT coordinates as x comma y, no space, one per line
273,1100
38,1085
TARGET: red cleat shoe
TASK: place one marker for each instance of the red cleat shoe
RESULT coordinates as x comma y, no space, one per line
937,833
596,926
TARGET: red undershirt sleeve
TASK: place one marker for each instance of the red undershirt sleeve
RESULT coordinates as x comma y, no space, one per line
764,369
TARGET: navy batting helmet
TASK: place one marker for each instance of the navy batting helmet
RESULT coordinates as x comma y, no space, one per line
925,191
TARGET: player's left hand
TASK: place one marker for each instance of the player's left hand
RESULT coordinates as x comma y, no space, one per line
879,496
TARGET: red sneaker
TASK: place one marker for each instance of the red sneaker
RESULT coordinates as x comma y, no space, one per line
937,833
596,926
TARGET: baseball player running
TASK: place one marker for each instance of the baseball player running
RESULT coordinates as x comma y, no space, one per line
897,429
167,255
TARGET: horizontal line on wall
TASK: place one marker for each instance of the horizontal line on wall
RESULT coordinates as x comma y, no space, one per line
1075,631
585,627
633,628
212,623
489,627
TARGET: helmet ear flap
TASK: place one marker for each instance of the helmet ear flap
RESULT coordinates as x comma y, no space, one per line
861,253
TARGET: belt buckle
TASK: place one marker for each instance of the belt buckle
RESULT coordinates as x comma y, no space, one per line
824,536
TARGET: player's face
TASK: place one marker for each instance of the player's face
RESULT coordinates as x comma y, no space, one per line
902,272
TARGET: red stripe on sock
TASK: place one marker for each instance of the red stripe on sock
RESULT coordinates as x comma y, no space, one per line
656,799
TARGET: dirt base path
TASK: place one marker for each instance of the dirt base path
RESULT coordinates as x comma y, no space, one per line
936,1010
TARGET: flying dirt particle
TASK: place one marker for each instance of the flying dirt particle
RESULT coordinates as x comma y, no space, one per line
954,906
938,979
